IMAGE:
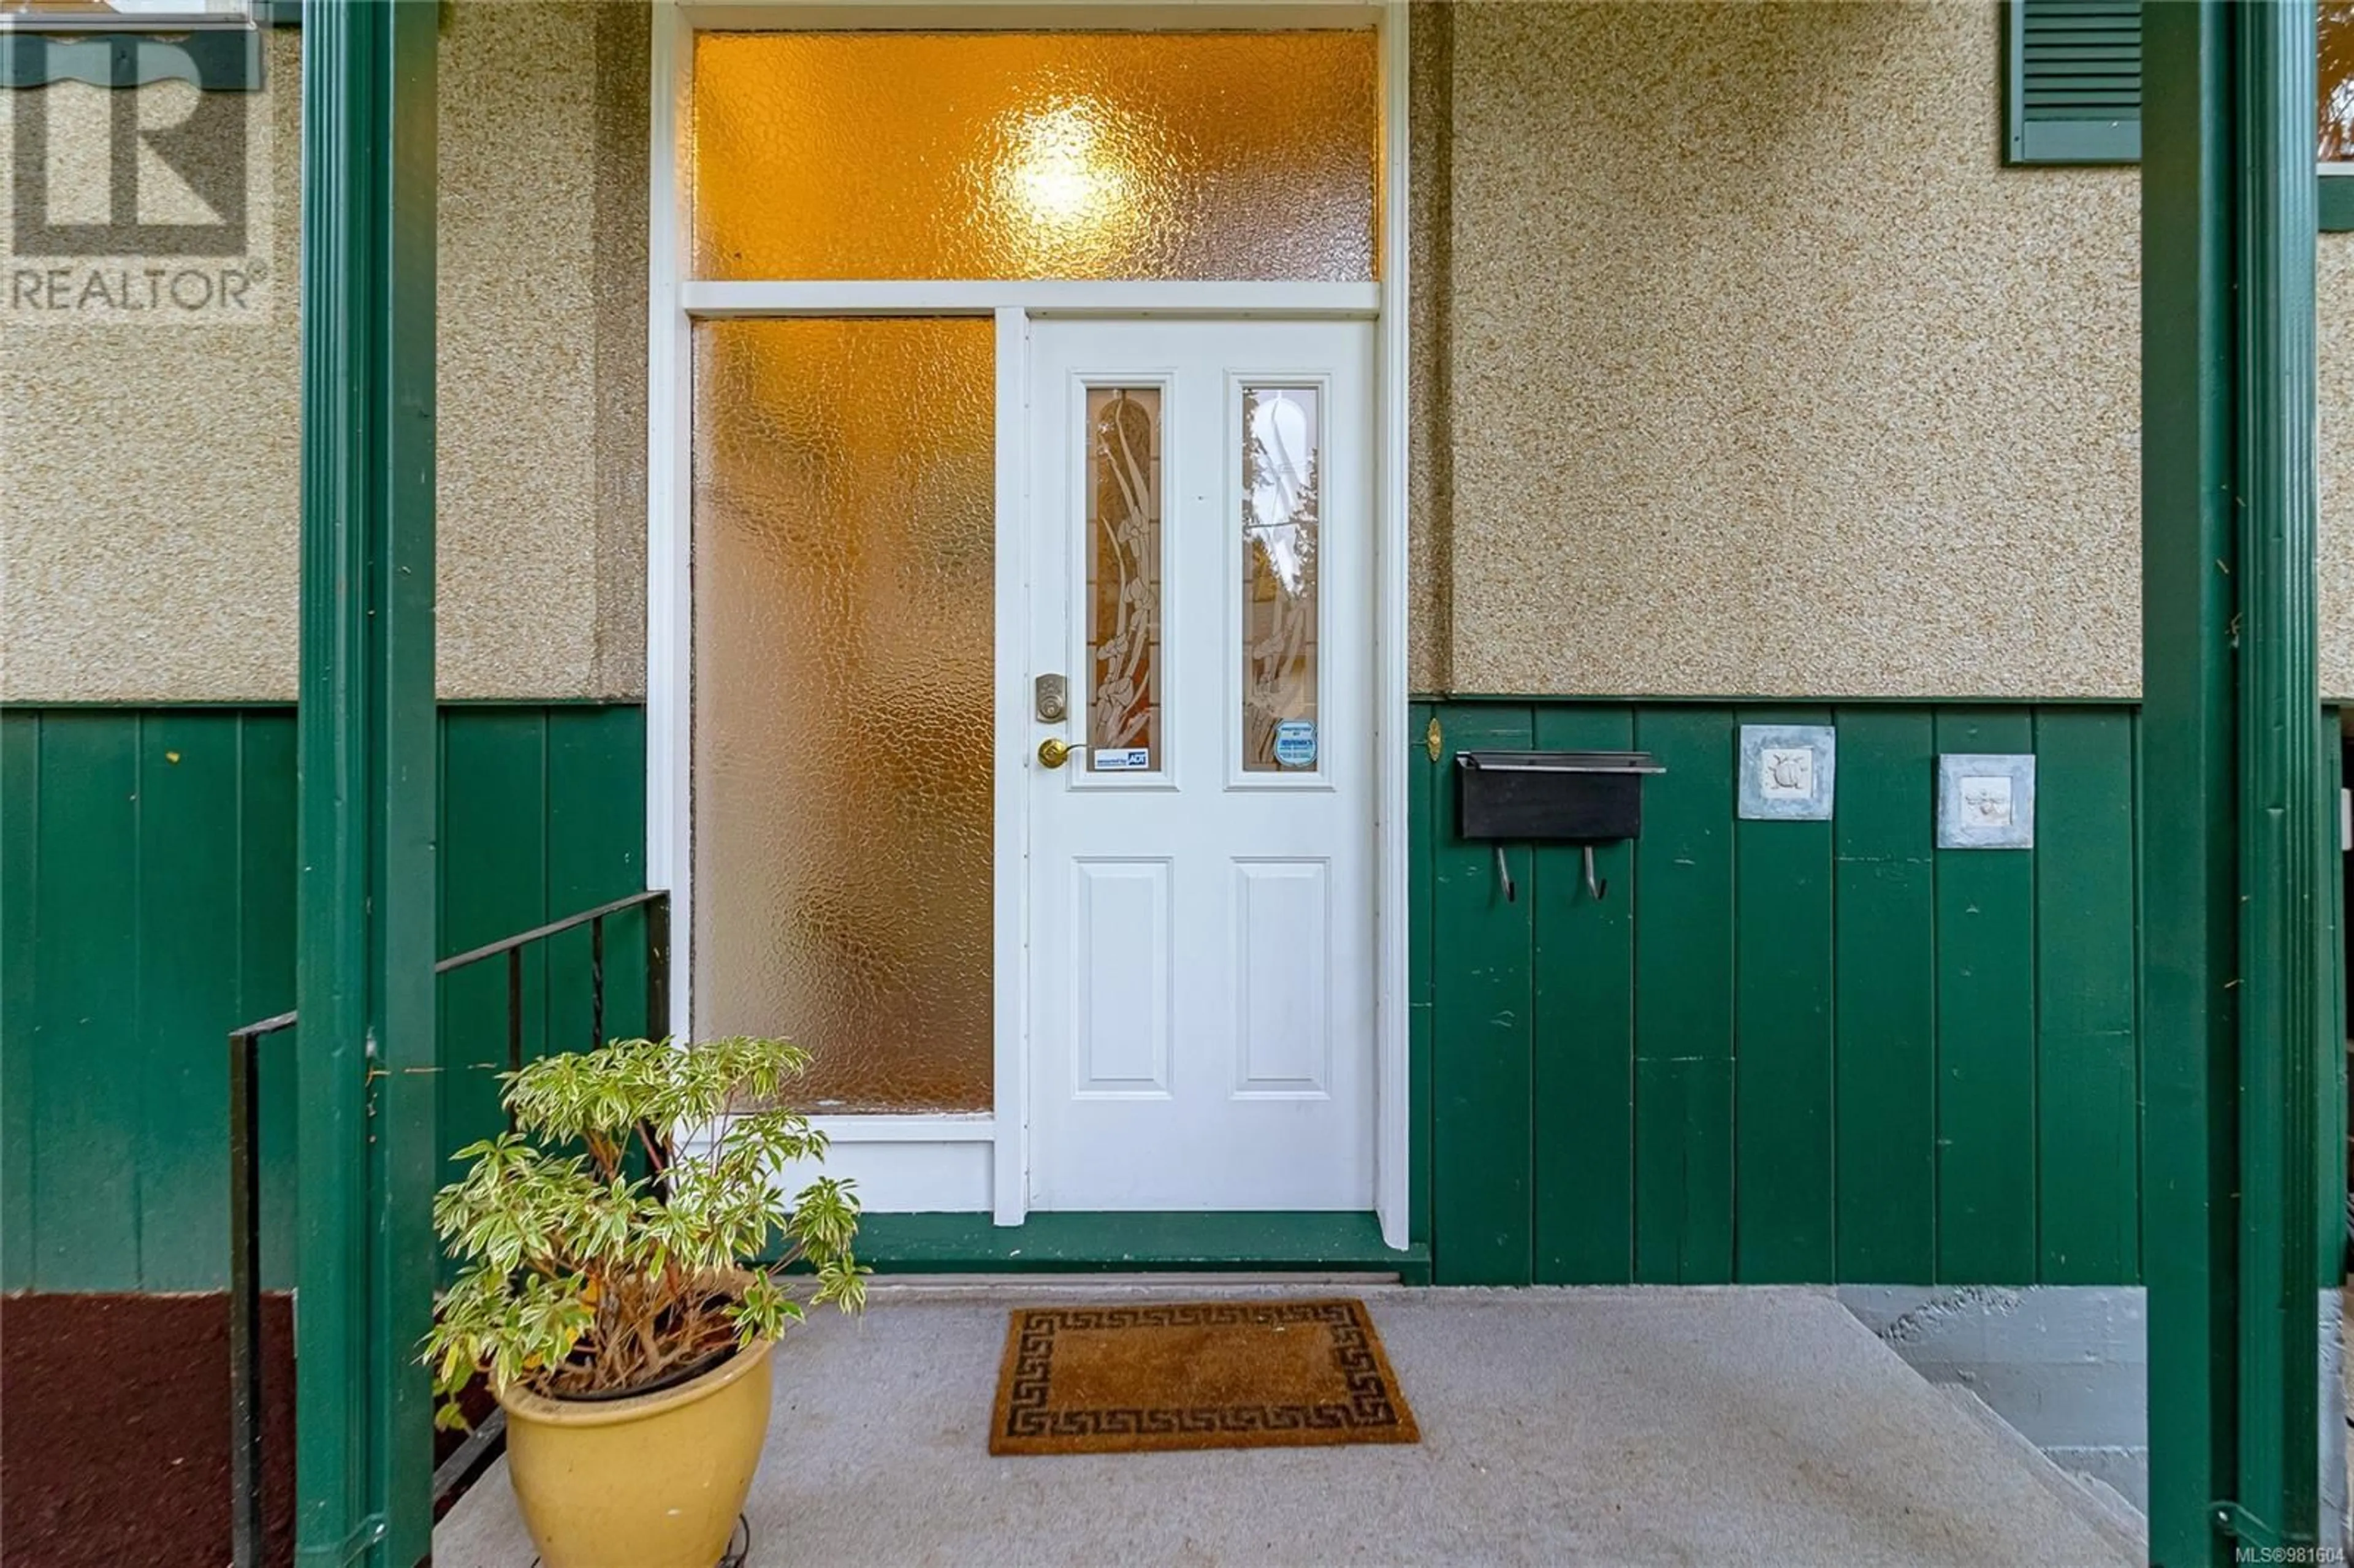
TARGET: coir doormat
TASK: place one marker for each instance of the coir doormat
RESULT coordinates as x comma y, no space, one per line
1199,1374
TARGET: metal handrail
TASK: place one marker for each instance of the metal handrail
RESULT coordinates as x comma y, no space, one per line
592,918
245,1166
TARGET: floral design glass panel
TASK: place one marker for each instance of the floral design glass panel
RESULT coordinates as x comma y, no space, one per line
844,638
1282,446
1138,155
2337,82
1123,480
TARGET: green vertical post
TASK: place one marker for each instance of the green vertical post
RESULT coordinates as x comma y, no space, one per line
2189,848
2285,1010
2236,1007
366,903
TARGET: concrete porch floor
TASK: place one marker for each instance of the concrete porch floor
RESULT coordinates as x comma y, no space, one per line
1620,1426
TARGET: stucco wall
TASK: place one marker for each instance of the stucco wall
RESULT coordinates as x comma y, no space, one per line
2334,292
1430,80
149,532
147,528
1766,377
544,190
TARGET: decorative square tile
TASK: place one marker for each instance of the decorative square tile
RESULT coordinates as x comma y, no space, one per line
1786,771
1986,801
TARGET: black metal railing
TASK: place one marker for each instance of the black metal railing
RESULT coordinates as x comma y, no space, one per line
245,1184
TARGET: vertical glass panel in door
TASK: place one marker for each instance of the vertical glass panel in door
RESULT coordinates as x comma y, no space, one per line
1171,155
1123,484
844,616
2337,82
1282,523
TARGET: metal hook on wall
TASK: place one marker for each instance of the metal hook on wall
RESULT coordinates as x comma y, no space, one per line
1596,890
1504,873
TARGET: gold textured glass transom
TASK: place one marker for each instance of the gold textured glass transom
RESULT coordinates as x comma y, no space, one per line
1123,483
1282,446
844,626
1035,155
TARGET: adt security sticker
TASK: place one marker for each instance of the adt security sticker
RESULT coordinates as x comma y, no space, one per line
1119,759
1295,743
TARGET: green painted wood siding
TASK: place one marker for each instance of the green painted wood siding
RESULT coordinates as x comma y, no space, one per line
1784,1051
146,908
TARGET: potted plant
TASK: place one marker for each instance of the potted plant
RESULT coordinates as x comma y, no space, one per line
609,1293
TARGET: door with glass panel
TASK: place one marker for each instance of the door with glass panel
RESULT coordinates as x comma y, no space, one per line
1201,768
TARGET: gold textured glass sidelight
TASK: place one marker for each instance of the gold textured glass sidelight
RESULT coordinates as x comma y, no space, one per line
1123,480
844,611
1282,441
1145,155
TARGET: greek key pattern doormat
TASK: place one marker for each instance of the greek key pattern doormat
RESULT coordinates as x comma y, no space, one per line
1200,1375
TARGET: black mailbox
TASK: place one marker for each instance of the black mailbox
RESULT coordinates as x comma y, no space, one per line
1584,797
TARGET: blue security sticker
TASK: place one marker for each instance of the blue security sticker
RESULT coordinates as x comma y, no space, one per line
1295,743
1110,759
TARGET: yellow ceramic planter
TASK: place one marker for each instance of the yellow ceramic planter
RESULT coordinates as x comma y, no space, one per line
654,1480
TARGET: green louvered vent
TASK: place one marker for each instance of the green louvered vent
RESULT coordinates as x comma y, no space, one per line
2075,81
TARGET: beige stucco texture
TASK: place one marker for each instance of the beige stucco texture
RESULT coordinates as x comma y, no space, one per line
1741,365
1766,377
2334,295
148,527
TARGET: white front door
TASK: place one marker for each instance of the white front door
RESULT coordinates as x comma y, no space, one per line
1200,873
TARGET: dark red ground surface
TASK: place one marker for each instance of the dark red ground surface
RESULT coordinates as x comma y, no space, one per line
114,1431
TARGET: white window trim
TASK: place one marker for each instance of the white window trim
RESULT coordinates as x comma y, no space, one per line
711,299
675,302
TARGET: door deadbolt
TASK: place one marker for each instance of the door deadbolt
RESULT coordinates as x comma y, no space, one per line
1050,698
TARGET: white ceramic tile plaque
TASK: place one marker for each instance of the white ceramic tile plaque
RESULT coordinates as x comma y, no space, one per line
1787,772
1986,801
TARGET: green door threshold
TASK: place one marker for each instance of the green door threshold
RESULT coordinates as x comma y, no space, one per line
1120,1243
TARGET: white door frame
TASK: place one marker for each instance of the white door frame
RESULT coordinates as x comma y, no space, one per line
967,1162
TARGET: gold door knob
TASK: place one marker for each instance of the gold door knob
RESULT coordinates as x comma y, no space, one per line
1053,751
